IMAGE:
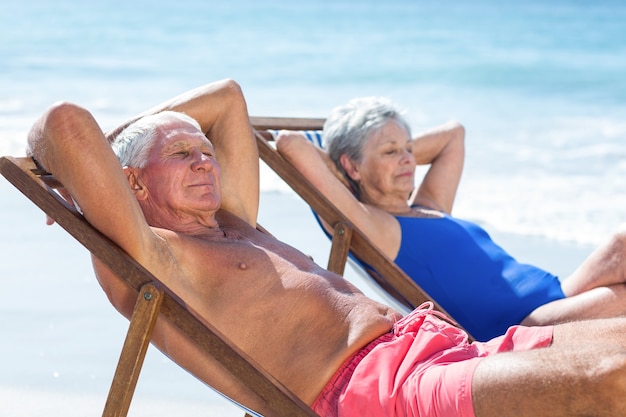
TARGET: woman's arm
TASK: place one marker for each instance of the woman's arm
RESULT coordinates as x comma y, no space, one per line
312,162
443,148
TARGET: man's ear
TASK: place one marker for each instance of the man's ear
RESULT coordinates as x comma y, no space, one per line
135,183
350,167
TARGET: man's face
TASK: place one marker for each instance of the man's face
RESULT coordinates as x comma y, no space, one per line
181,177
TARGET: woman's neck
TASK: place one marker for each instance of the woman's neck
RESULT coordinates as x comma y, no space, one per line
390,204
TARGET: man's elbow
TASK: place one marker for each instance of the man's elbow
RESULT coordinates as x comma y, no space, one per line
57,124
229,89
63,117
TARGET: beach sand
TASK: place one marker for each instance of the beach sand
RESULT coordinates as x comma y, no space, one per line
60,337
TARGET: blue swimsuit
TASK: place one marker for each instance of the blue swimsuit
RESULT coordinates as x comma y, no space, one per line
480,285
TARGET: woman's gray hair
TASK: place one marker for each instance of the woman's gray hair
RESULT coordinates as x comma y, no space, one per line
348,128
133,145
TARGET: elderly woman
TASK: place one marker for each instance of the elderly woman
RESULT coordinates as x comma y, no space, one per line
484,288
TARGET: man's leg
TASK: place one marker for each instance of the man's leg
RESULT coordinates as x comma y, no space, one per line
583,373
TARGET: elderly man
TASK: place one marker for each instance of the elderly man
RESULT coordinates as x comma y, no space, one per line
191,222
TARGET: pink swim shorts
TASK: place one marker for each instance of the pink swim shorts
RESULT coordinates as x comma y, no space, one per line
422,368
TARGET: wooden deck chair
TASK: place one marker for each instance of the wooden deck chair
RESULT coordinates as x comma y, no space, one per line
153,298
346,237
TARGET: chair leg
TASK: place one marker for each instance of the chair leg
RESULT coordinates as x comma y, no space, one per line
134,351
340,248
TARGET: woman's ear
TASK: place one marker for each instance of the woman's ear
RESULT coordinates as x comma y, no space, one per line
350,167
135,183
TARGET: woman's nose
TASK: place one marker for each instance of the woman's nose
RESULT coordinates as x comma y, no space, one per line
407,155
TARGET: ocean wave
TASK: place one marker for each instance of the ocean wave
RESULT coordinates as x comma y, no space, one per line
583,209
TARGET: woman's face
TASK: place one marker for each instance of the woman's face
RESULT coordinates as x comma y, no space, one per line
387,168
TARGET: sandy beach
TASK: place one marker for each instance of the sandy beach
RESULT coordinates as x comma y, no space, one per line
61,338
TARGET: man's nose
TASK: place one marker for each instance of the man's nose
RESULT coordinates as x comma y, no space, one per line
201,160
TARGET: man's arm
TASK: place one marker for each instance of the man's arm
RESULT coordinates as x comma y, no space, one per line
221,110
67,141
442,147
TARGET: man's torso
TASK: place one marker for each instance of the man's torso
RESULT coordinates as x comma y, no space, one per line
297,320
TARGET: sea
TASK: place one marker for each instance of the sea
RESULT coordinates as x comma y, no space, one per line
540,87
